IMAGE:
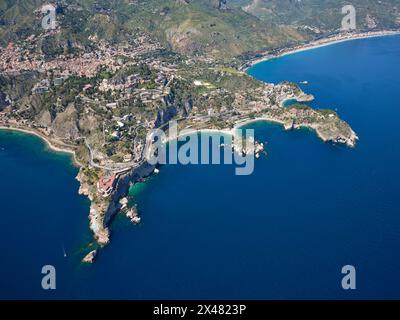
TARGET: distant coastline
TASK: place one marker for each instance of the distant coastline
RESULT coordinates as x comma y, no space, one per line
317,44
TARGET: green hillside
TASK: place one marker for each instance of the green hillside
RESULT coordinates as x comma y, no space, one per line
195,27
326,15
190,27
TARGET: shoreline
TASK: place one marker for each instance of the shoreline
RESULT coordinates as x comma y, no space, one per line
46,140
286,128
324,42
240,124
102,212
189,132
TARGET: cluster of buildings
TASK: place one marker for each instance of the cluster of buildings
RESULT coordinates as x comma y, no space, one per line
15,59
24,56
135,85
45,84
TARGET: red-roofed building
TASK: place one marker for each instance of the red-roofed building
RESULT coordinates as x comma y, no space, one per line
106,185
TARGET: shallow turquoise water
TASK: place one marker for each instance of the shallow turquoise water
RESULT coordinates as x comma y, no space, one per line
283,232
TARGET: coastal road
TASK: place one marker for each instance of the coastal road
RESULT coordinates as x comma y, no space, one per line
118,167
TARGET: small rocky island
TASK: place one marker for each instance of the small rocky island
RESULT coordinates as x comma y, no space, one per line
89,258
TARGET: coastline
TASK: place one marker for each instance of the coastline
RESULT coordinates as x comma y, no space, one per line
102,212
188,132
266,57
50,144
266,235
350,144
241,123
324,42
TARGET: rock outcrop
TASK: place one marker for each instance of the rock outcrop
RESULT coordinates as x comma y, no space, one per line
89,258
122,189
3,103
44,119
65,124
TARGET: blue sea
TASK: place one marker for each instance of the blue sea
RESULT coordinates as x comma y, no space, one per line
284,232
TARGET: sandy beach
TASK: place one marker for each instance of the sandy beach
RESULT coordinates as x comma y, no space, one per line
188,132
318,44
48,142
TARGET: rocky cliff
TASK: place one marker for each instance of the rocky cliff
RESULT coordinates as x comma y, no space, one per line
122,189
